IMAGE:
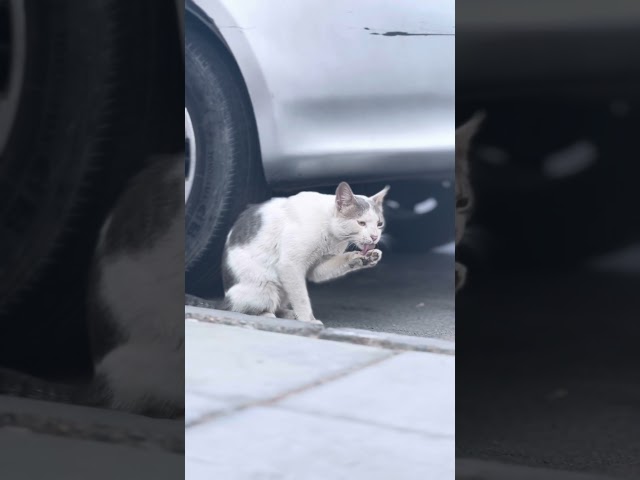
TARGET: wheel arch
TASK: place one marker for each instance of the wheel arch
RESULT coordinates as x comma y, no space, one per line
195,17
201,18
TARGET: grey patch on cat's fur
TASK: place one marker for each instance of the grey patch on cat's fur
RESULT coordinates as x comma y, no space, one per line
144,215
358,208
228,277
246,227
376,207
361,206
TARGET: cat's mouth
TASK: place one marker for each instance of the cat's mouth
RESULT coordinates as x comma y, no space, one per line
367,247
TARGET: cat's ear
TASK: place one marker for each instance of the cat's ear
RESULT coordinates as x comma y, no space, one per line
344,196
466,131
378,198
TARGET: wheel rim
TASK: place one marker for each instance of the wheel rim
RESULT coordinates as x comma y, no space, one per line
190,155
12,63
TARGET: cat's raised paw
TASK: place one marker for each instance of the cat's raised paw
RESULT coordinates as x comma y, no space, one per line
371,258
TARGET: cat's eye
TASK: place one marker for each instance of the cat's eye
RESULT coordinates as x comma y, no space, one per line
362,224
380,224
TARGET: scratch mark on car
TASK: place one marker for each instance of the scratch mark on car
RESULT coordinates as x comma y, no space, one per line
236,26
407,34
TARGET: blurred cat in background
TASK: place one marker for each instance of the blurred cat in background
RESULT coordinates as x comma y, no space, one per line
135,309
464,191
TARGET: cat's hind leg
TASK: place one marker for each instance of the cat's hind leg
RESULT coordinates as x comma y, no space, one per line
251,299
286,313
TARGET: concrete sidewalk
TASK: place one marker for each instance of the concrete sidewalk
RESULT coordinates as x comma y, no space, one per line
268,405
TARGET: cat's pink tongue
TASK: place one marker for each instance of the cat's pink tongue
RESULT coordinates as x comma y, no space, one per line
367,247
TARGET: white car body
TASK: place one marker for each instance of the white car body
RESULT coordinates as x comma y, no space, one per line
344,89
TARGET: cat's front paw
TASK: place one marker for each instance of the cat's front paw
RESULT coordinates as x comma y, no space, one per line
371,258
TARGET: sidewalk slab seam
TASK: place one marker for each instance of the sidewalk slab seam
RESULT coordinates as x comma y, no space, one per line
284,395
412,390
349,419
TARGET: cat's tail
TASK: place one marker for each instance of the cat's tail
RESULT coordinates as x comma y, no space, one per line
18,384
217,304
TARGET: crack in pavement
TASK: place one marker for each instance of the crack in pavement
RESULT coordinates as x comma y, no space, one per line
303,388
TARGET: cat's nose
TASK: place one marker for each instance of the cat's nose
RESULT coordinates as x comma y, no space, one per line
374,238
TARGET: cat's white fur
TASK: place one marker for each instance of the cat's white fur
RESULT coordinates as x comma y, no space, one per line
303,237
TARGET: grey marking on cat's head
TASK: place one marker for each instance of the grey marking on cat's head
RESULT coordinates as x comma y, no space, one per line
246,227
377,201
359,219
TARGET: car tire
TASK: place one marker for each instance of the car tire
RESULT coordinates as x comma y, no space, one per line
77,83
227,174
59,134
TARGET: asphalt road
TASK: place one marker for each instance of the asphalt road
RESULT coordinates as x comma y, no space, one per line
549,362
409,294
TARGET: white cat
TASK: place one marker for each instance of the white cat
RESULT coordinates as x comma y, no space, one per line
275,247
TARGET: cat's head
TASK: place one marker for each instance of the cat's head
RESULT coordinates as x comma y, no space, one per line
464,193
357,218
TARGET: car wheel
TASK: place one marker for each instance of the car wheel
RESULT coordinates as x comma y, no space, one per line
72,131
223,171
61,126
